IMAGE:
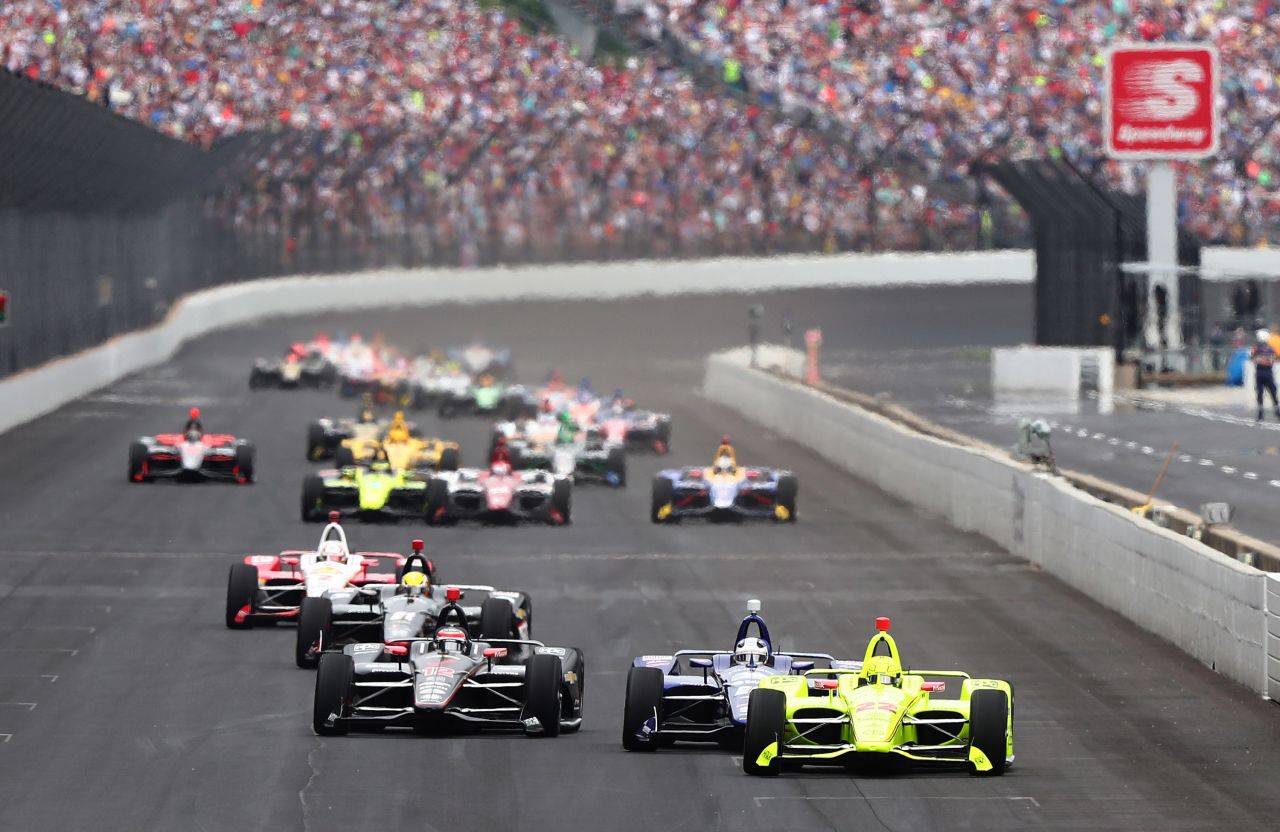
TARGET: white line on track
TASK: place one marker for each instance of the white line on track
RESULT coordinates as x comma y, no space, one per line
1147,449
1227,469
52,628
50,676
5,737
30,706
71,653
1250,475
1131,445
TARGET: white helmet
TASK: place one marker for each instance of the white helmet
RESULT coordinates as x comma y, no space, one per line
333,550
1263,336
724,464
751,652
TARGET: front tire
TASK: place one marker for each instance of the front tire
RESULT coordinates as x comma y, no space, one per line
988,724
244,463
344,457
643,703
450,459
315,631
497,619
437,501
137,462
542,679
242,591
562,500
766,719
333,692
788,489
316,447
616,464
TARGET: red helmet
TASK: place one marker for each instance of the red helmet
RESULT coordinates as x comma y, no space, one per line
194,413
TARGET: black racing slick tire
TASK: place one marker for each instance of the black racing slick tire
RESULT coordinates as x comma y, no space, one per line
137,461
543,678
450,459
316,448
343,457
663,493
312,498
497,619
616,464
788,490
766,719
333,692
437,501
242,590
315,631
562,500
988,722
244,462
643,703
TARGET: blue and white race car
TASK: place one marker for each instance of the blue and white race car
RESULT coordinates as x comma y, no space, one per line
701,695
724,490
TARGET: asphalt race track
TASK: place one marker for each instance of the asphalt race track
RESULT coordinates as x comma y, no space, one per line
126,704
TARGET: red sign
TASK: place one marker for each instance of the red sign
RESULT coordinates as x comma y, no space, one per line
4,307
1160,101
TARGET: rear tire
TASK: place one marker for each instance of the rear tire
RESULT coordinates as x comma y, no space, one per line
497,619
562,499
437,500
312,498
244,461
333,692
542,679
242,591
316,447
450,459
988,722
788,489
643,702
315,631
663,493
766,719
137,461
616,464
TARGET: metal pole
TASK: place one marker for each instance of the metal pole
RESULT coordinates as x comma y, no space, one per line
1162,254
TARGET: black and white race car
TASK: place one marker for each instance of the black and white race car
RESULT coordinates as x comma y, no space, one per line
450,681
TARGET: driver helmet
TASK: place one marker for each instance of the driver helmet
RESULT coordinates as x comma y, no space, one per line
485,380
585,396
451,640
566,418
415,583
1263,336
399,430
751,652
333,550
500,469
724,464
547,406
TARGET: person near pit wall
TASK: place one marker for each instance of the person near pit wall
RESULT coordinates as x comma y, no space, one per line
1264,359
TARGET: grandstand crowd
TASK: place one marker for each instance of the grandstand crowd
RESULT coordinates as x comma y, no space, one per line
466,137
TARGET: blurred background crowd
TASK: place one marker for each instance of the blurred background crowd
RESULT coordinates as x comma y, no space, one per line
463,135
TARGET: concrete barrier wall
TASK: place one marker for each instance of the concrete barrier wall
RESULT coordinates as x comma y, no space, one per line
1202,601
27,395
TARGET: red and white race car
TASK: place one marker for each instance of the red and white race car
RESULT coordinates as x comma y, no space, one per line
269,588
193,455
499,494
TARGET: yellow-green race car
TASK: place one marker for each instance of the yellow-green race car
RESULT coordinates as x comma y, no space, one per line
879,714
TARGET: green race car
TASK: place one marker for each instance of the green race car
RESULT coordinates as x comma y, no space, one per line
378,491
486,396
879,713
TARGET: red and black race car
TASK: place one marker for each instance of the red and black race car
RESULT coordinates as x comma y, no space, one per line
191,456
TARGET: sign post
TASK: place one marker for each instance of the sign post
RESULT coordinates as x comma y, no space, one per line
1161,106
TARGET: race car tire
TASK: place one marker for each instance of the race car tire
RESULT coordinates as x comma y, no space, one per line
497,619
329,377
312,498
616,464
137,462
663,493
575,660
437,501
643,702
315,628
788,489
242,590
450,459
255,379
333,691
316,448
447,409
562,500
542,679
988,722
343,457
244,461
766,719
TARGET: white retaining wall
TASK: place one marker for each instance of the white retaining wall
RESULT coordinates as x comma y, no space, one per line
1204,602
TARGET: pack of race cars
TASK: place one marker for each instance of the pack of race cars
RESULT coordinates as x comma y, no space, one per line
392,646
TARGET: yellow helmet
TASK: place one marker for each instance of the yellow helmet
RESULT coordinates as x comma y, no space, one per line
415,583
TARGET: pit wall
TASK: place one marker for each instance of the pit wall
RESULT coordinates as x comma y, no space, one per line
1207,604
